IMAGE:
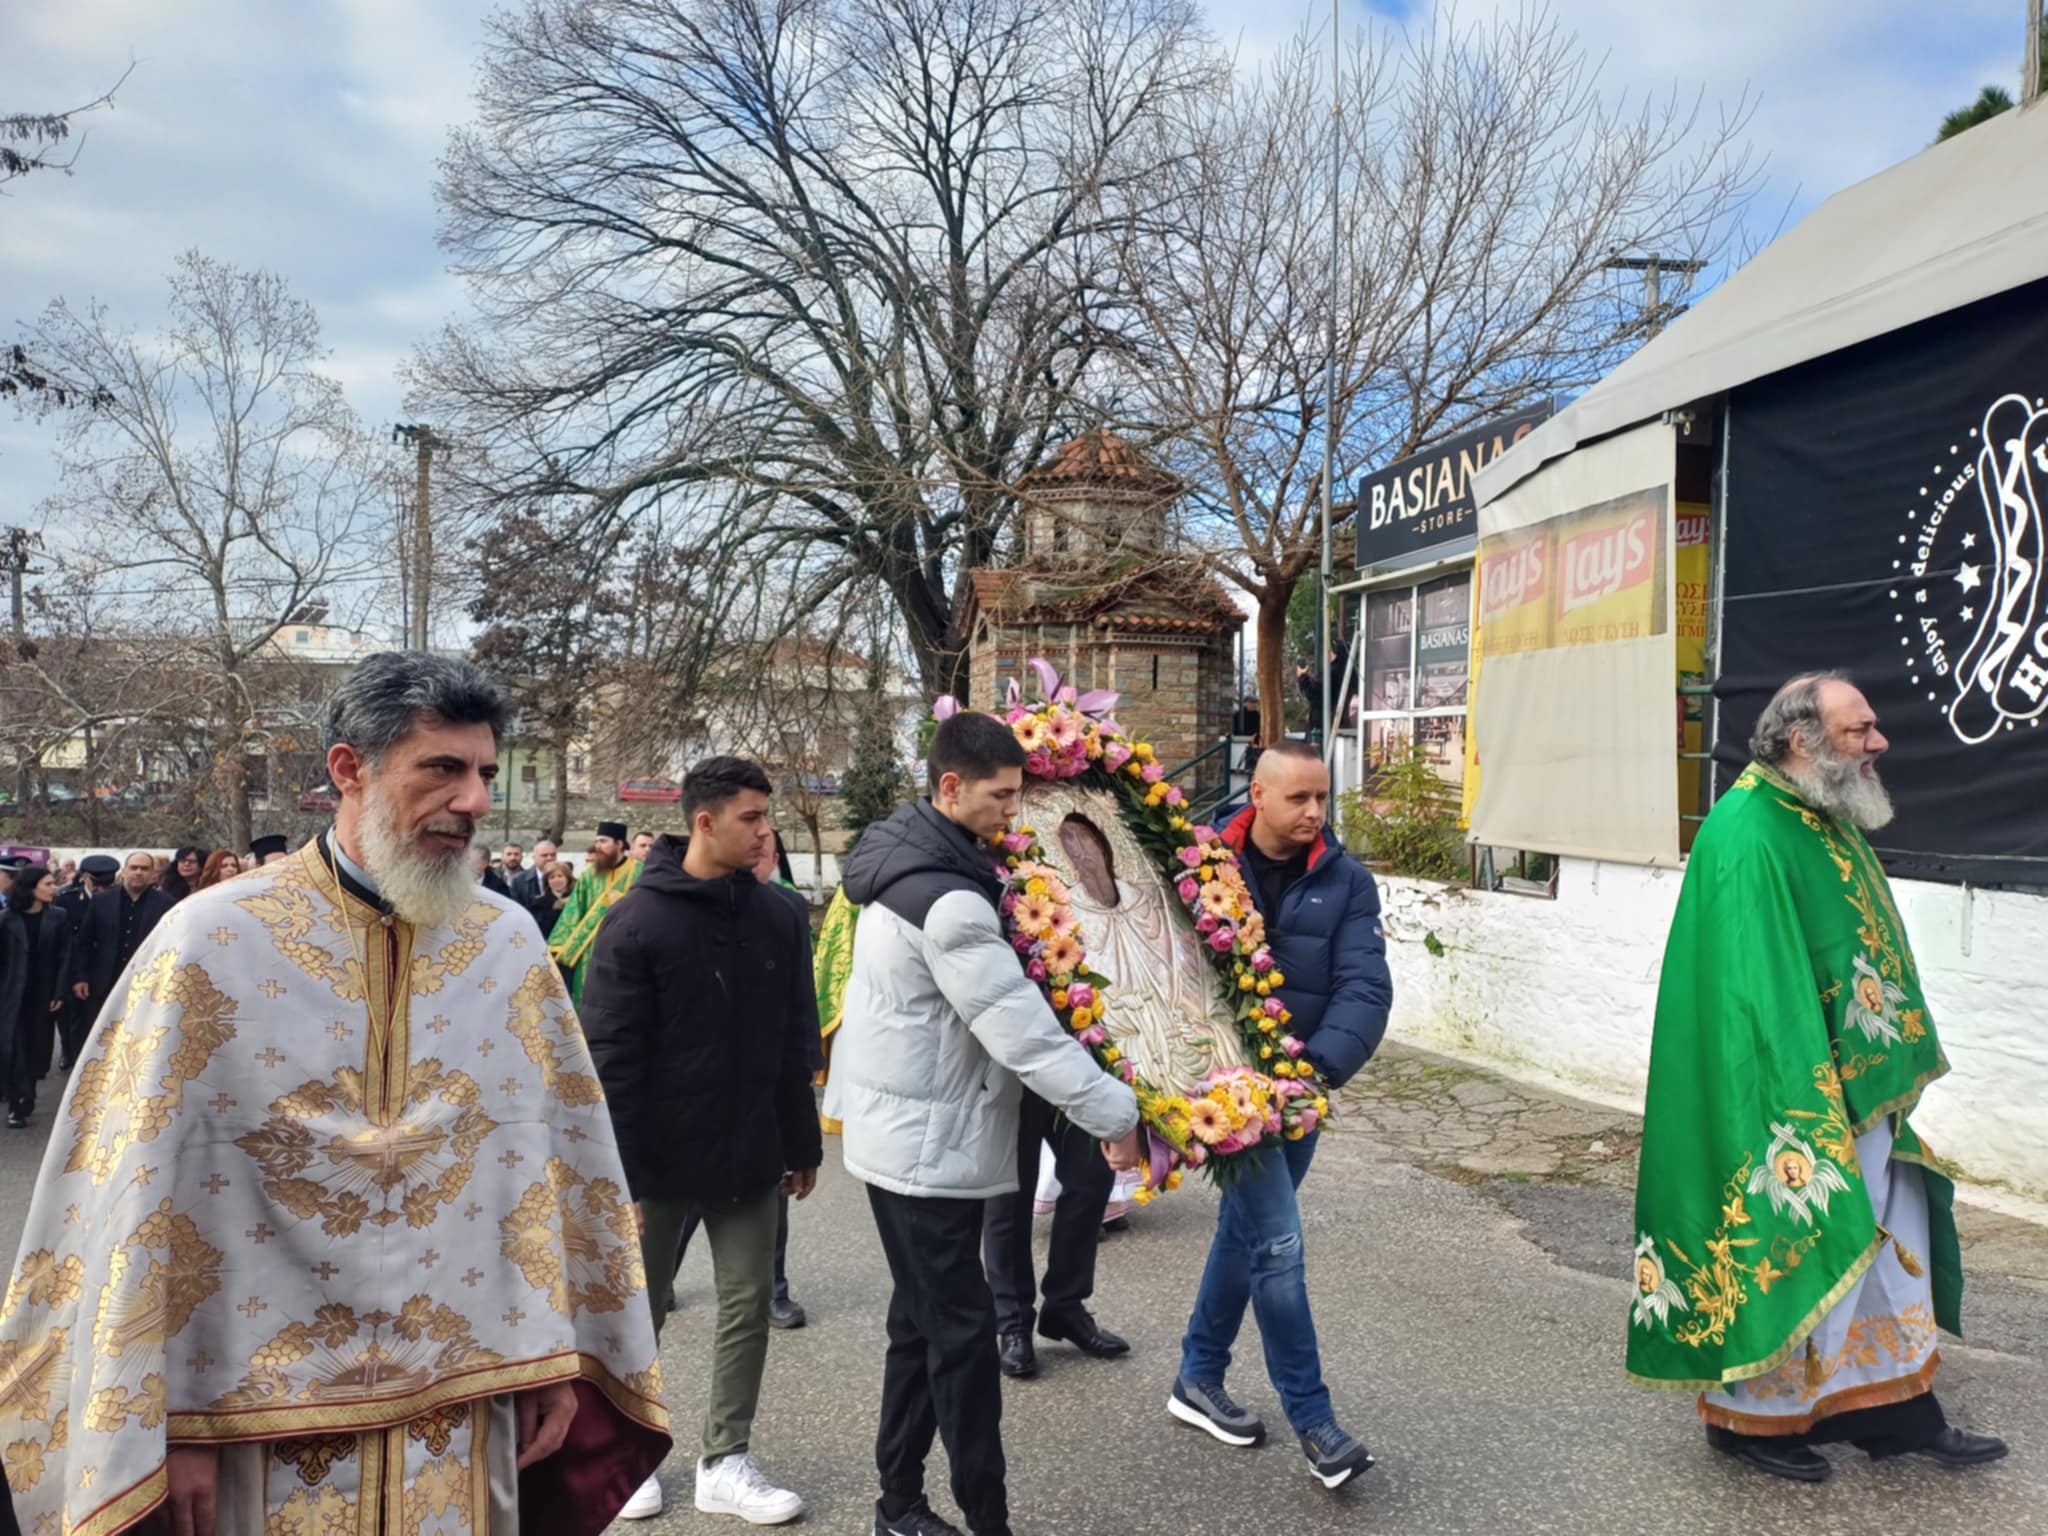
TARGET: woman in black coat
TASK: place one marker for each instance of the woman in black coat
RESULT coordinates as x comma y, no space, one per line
182,878
34,955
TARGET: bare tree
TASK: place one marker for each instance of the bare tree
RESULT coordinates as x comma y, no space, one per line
844,261
1485,182
223,472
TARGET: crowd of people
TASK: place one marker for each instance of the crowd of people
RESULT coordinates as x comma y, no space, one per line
678,1096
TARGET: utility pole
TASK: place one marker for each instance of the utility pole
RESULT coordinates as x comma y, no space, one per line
1329,742
424,442
2030,71
1653,267
15,553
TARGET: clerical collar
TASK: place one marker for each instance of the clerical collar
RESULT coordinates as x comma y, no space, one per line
354,877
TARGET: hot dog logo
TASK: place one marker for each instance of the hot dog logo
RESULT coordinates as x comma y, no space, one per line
1972,599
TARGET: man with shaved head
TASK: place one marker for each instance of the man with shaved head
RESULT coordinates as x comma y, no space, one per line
1795,1250
1320,912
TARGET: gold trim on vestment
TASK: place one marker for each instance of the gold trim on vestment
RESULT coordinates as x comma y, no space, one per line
126,1508
1777,1357
273,1422
1871,1394
1904,1104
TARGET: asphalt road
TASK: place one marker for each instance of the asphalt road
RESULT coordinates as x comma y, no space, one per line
1461,1341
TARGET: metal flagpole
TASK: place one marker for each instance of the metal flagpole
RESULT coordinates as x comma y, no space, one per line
1330,381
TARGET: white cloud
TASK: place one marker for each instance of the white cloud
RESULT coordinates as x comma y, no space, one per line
303,136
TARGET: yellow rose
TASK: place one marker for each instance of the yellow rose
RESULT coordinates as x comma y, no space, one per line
1134,768
1244,982
1173,1179
1276,978
1143,751
1059,997
1283,1069
1265,989
1265,1053
1035,886
1111,1055
1206,873
1179,823
1269,1026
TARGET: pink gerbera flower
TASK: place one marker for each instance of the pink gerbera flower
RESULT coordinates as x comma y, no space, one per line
1064,728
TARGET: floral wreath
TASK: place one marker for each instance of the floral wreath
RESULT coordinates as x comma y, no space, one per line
1073,736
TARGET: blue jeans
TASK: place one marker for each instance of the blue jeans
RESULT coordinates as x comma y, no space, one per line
1256,1257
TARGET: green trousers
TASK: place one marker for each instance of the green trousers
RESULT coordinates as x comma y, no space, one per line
743,1266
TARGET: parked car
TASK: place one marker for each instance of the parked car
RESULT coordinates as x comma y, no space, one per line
651,791
813,783
322,799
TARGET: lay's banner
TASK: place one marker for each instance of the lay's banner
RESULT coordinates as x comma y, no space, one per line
1593,575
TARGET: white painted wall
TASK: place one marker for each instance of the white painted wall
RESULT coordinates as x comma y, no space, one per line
1567,990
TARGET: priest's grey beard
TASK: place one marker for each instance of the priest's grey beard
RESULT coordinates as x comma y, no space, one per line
1838,786
427,887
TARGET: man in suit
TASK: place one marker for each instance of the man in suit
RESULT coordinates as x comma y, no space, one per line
114,926
96,873
523,878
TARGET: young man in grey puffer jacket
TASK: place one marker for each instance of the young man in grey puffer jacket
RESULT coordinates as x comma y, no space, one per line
940,1027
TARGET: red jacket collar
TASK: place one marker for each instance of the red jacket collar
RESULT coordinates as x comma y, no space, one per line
1240,830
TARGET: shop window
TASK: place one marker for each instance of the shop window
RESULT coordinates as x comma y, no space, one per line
1416,668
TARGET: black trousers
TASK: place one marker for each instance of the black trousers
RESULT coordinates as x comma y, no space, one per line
941,1374
1085,1182
694,1221
1890,1429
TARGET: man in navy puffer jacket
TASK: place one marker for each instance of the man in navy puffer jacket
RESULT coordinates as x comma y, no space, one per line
1322,914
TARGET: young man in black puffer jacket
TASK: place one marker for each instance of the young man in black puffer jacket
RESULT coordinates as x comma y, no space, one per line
697,1008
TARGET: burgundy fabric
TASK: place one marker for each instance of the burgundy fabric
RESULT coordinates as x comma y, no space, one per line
580,1489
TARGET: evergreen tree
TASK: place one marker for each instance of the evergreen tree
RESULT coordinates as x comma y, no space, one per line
874,781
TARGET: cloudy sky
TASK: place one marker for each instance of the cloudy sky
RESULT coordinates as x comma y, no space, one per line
302,135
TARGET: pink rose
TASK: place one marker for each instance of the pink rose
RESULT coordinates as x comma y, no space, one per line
1036,970
1080,995
1221,940
1263,960
1151,773
1308,1120
1206,923
1191,857
1173,795
1273,1008
1205,834
1092,1035
1009,902
1016,842
1114,755
1022,943
1197,1154
1189,890
1073,765
1127,1070
1291,1046
1019,713
1230,1143
1039,764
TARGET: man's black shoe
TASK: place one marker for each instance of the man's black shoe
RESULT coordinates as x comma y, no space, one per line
1959,1448
785,1313
1018,1359
1334,1457
1081,1330
1769,1453
915,1522
1117,1224
16,1120
1210,1409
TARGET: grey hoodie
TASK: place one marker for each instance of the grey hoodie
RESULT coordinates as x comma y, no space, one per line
941,1023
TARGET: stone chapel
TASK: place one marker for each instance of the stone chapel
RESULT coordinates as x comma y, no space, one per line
1097,590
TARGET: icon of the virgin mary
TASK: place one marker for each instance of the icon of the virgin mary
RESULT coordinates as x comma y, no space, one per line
1168,1008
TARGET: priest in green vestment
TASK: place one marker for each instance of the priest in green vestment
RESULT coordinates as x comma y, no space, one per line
1795,1248
609,874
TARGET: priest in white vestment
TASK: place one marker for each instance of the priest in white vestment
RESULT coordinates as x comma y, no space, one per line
331,1235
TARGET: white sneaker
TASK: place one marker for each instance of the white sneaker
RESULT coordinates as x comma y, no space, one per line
646,1503
736,1486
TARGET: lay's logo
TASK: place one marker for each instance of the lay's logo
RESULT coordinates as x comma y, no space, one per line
1599,563
1511,579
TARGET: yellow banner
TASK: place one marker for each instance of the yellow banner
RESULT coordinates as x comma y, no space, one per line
1689,566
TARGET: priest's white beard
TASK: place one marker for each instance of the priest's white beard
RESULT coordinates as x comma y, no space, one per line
426,887
1839,786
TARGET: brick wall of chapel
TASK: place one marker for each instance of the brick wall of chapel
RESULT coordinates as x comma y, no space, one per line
1175,692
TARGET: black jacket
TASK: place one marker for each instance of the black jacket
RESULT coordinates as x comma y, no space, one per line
96,956
695,1005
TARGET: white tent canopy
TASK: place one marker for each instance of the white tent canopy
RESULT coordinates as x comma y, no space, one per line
1958,222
